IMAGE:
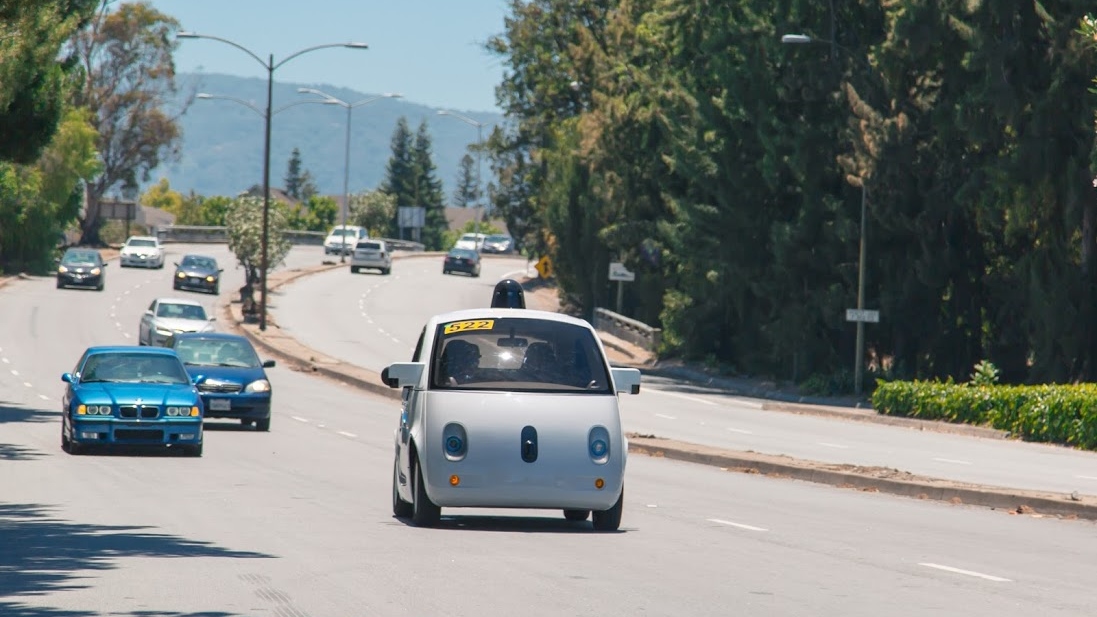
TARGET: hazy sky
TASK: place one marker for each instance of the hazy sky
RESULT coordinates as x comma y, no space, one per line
431,51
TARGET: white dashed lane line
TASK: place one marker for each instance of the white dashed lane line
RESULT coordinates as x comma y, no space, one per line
952,460
28,384
693,399
300,419
719,521
1086,477
833,445
742,431
43,397
665,416
15,372
346,434
989,577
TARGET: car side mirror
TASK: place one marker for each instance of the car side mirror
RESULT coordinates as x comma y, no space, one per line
66,377
268,364
402,374
213,319
627,380
149,312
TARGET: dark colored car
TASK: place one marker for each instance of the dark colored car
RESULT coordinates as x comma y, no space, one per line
198,273
81,268
498,243
228,374
462,260
130,396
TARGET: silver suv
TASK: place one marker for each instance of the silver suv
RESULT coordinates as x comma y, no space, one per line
371,254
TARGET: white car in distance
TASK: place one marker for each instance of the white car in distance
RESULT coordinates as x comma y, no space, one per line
142,252
470,241
168,316
371,255
343,238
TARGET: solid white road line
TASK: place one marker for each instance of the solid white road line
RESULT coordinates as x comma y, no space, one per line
953,461
682,396
1086,477
989,577
833,445
739,430
738,525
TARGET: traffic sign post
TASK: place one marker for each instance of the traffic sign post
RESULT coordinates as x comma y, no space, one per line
544,267
864,315
861,316
618,272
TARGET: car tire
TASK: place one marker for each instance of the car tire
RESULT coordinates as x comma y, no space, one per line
609,520
400,508
69,445
444,271
386,271
59,285
476,274
194,451
576,515
424,513
263,426
354,269
100,287
217,289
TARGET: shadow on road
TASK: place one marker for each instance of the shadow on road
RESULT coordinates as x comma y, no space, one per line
512,524
12,452
13,412
41,555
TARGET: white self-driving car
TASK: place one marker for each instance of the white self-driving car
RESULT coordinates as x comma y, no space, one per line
510,408
142,252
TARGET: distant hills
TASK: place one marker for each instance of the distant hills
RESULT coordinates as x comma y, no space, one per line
222,147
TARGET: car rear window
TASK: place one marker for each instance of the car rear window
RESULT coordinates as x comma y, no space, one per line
518,354
370,246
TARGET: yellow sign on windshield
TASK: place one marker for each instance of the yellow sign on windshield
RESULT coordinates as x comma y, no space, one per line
464,326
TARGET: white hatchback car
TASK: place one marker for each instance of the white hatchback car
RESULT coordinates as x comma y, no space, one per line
371,255
142,251
510,408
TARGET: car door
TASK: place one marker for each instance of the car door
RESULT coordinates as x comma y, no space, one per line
409,398
144,332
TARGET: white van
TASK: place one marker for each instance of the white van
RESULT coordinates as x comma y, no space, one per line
343,239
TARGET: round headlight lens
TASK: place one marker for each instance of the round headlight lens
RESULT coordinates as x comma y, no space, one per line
181,275
454,444
259,385
598,448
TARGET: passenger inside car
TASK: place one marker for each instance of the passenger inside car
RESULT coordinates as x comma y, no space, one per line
540,363
458,363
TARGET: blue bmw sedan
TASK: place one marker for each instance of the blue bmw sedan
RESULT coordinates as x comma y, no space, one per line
130,396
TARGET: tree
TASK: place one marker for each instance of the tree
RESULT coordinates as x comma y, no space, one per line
293,175
162,196
33,71
128,76
467,192
374,210
428,191
244,223
38,201
400,175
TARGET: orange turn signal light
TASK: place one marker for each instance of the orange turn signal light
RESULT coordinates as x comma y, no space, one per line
599,483
454,480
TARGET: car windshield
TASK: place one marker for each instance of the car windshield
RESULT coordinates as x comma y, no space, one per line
216,352
133,368
204,263
79,257
344,232
497,239
518,354
141,242
180,311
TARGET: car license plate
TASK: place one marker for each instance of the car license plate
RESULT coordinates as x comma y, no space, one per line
220,404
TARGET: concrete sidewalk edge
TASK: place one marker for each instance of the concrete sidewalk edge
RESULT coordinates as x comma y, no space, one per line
866,479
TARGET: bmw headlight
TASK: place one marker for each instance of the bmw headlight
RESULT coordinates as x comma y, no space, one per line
209,279
259,385
96,271
62,269
181,275
163,332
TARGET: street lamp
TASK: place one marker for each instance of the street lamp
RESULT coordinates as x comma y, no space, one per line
479,154
270,67
331,100
859,355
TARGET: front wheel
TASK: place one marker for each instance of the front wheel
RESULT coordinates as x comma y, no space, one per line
576,515
424,512
610,520
263,426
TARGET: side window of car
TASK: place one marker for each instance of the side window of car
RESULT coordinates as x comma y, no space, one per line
419,346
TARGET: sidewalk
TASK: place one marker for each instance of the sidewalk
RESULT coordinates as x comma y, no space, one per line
275,343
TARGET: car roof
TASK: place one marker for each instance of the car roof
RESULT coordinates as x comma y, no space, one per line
179,301
500,313
142,238
198,255
130,349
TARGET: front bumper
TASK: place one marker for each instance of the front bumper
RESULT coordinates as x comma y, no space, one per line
194,283
335,249
139,261
116,432
70,279
242,406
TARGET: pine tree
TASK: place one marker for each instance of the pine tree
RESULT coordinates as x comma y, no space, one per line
468,189
429,191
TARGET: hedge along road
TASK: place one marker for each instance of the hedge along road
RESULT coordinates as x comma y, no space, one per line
351,326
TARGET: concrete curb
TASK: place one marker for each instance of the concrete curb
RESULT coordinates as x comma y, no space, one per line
894,482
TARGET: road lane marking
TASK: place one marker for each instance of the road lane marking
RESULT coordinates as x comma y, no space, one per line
126,334
346,434
952,460
738,525
833,445
1086,477
15,372
43,397
300,419
989,577
663,415
739,430
6,361
682,396
28,384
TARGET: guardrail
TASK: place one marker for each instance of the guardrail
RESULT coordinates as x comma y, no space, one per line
635,332
200,234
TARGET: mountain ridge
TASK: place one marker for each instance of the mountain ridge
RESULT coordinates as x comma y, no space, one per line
221,150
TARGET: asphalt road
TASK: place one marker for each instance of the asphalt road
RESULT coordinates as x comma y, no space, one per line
297,522
371,320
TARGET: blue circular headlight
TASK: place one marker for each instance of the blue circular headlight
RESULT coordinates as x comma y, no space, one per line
454,444
598,448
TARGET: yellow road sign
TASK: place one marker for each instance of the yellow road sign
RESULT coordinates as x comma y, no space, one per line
544,267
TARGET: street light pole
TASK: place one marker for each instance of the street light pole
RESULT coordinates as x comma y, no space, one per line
331,100
479,165
270,66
